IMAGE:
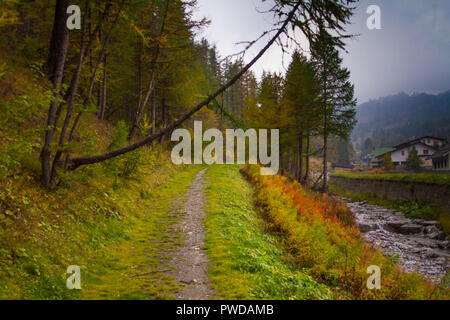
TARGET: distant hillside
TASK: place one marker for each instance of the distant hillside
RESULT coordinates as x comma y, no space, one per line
394,119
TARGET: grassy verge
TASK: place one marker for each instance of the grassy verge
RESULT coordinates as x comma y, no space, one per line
432,178
134,266
114,229
247,262
318,233
110,218
419,209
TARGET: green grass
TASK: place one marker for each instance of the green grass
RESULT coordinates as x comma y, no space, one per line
418,210
431,178
136,266
110,218
246,261
118,234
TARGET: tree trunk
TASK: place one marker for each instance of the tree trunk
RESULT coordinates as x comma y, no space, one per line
151,84
77,162
93,76
305,180
291,162
58,44
70,96
55,63
154,111
281,158
101,114
325,153
139,72
164,118
300,158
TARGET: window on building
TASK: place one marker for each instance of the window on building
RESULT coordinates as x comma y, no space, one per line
425,151
403,153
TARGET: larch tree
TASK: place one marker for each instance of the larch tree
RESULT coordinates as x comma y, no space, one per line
336,94
302,15
300,97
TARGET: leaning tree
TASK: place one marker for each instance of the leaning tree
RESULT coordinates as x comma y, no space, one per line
307,16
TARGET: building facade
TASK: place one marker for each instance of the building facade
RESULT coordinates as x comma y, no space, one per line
425,146
441,159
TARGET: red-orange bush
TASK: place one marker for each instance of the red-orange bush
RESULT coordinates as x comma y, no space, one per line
320,233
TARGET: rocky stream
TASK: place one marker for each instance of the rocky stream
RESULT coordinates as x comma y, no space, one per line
420,245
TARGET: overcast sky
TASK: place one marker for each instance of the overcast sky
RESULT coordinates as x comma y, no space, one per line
411,53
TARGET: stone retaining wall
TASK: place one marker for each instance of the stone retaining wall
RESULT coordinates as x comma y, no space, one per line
397,190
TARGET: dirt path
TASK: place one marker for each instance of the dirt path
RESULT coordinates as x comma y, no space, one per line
189,261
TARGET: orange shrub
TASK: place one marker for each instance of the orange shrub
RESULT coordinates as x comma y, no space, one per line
320,233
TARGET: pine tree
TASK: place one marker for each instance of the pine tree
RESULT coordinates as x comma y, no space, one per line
337,94
413,163
387,162
300,96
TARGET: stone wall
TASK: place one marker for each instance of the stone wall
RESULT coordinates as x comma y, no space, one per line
396,190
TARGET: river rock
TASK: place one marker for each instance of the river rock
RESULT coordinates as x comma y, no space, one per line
430,230
443,245
427,243
404,227
429,223
433,235
411,229
431,254
394,226
414,241
365,227
442,236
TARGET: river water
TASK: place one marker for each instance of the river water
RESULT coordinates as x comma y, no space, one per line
420,245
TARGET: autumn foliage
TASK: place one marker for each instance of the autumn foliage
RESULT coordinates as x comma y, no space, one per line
320,234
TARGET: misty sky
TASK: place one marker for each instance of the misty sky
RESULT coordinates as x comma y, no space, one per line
411,53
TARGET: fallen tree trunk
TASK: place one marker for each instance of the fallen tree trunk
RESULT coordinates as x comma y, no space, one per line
77,162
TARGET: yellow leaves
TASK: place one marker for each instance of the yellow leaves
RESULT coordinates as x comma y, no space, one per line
145,124
8,16
25,200
163,39
3,69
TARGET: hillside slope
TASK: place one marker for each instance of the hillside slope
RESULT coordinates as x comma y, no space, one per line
394,119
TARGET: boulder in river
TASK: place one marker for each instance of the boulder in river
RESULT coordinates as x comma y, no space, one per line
430,230
411,229
365,227
429,223
404,227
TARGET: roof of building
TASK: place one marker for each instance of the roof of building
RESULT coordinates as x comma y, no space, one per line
442,152
381,151
416,141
